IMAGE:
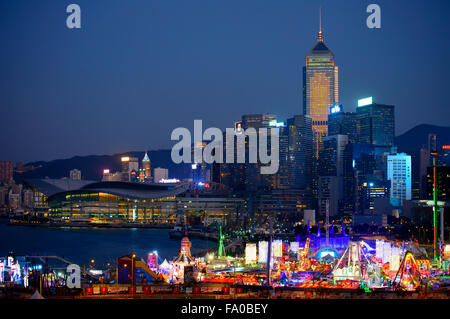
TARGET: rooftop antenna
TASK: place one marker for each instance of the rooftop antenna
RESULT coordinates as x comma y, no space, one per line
320,19
320,25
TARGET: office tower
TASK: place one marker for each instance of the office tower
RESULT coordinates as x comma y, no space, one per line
3,194
399,173
14,199
6,171
232,174
331,173
146,166
300,151
200,170
282,176
320,88
331,156
75,174
376,124
257,120
444,156
432,144
364,165
254,180
424,163
342,123
442,183
329,190
111,177
372,188
28,198
160,174
348,201
129,164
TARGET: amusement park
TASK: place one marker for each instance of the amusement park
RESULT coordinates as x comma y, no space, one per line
313,266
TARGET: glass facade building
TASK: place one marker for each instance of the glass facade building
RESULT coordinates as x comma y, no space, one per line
376,124
399,173
300,151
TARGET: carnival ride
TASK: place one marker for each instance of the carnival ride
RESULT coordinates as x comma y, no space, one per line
408,276
132,270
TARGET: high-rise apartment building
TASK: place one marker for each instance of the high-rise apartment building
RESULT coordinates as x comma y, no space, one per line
6,171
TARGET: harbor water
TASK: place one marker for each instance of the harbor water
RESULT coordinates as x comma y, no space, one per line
81,245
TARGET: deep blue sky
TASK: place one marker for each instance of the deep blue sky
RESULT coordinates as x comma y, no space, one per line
140,68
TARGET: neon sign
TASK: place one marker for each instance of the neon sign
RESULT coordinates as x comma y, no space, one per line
335,109
365,101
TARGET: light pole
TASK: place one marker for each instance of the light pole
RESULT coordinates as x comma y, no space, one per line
132,273
269,251
435,207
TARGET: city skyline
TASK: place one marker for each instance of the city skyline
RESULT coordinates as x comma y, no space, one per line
269,64
284,150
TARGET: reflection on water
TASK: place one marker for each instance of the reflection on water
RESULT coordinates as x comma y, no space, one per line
80,245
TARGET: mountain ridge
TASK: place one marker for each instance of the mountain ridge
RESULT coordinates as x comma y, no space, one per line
92,166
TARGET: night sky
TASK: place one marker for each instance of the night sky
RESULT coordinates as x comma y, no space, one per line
140,68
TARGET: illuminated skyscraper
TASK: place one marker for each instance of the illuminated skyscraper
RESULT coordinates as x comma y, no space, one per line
376,123
320,87
399,173
146,166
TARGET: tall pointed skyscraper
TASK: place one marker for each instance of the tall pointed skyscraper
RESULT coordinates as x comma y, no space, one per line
146,166
320,87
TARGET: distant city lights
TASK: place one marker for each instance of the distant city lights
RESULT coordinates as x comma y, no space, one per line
275,123
169,180
106,171
125,159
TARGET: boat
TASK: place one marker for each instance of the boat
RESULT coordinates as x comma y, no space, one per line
177,232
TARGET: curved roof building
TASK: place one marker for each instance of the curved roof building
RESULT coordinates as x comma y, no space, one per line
55,188
113,201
